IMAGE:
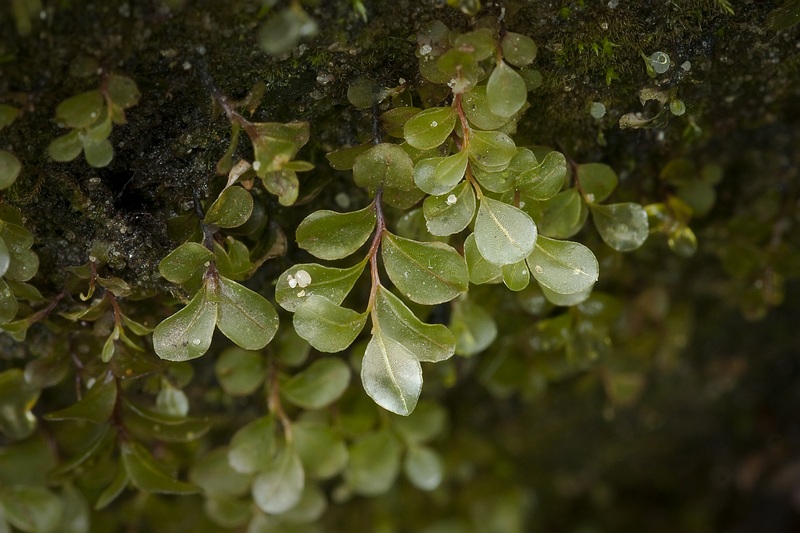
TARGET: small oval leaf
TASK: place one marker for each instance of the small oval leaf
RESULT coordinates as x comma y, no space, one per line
330,235
563,267
327,326
245,317
503,233
319,385
624,227
505,91
450,213
430,128
278,488
232,209
391,374
187,334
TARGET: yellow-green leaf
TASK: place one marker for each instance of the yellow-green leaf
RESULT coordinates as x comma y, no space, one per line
430,128
331,235
391,374
232,209
327,326
245,317
304,280
187,334
563,267
505,91
503,233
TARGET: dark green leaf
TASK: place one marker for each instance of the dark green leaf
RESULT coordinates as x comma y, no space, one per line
374,464
31,508
9,169
391,374
560,217
253,446
345,158
327,326
147,474
384,165
450,213
245,317
503,233
110,493
319,385
240,372
430,128
597,180
331,235
328,282
8,303
96,405
232,209
184,262
278,488
187,334
546,179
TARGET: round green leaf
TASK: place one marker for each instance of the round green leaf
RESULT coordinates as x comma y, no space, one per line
184,262
232,209
253,446
66,147
301,281
391,374
503,180
503,233
364,93
491,150
309,509
327,326
81,110
427,422
31,508
320,448
187,334
245,317
623,227
123,91
597,180
473,327
423,467
279,487
450,212
214,475
516,276
430,128
98,154
566,300
384,165
8,114
447,174
563,267
480,270
9,169
476,107
319,385
428,273
561,216
228,512
546,179
518,49
374,463
240,372
505,91
330,235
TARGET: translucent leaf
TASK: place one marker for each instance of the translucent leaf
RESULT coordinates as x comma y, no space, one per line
504,180
395,119
561,216
8,303
516,276
328,282
597,180
391,374
480,43
427,273
345,158
215,477
430,128
386,165
364,93
505,91
240,372
491,150
95,406
275,144
117,286
480,270
66,147
428,342
476,107
683,242
282,183
172,401
9,169
147,474
503,233
330,235
450,213
319,385
374,463
31,508
327,326
563,267
184,262
278,488
566,300
473,327
623,227
518,49
94,440
245,317
423,467
232,209
253,446
447,173
123,91
98,154
282,32
321,449
81,110
546,179
187,334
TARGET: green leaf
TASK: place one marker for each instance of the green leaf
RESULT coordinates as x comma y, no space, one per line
450,213
503,233
423,467
228,512
430,128
345,158
364,93
476,108
9,169
623,227
427,422
172,401
215,477
245,317
114,489
394,120
428,342
391,374
473,327
278,488
319,385
184,262
518,49
566,300
232,209
147,474
374,463
682,241
253,446
285,28
274,144
240,372
328,282
31,508
123,91
491,150
504,180
282,183
384,165
560,217
516,276
321,449
546,179
8,303
8,114
327,326
447,173
330,235
505,91
597,180
427,273
81,110
98,154
95,406
187,334
563,267
66,147
480,269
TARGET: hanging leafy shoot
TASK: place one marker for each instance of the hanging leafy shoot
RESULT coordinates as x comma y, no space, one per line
274,145
18,264
91,116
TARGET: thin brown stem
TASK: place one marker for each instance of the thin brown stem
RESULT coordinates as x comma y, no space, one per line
380,227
